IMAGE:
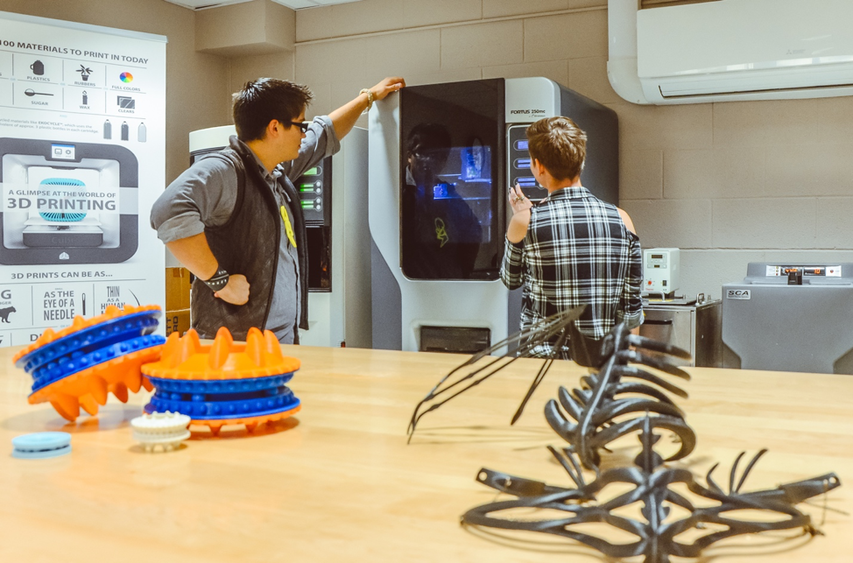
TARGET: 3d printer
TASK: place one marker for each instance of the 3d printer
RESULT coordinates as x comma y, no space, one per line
67,203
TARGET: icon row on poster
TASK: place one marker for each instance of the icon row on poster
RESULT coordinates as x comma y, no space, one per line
52,70
27,310
71,98
126,132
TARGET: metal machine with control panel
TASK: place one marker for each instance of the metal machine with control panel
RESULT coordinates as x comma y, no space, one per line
661,268
790,317
442,158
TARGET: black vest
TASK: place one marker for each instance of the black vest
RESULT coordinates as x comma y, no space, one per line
248,244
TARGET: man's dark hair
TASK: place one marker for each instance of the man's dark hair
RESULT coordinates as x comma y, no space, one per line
262,100
559,144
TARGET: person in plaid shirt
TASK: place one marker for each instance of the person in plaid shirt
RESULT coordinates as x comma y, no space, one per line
571,248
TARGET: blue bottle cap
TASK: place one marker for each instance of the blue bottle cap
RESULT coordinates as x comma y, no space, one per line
40,445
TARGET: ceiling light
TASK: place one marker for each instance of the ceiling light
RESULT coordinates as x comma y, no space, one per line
299,4
204,4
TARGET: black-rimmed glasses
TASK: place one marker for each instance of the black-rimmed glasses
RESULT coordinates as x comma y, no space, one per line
302,125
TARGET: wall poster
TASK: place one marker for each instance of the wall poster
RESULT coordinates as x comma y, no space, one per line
82,159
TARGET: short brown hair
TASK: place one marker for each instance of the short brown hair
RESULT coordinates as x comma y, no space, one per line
559,145
262,100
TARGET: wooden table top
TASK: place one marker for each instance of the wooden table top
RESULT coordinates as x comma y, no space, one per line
337,482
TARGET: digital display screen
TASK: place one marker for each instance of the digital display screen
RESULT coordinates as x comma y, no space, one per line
806,271
65,152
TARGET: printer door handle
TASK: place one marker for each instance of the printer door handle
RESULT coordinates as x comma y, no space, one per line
657,322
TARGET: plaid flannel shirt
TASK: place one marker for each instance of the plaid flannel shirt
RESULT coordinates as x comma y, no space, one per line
577,251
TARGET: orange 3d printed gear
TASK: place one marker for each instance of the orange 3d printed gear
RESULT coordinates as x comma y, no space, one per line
225,382
79,365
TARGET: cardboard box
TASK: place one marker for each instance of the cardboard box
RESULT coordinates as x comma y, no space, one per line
177,321
177,289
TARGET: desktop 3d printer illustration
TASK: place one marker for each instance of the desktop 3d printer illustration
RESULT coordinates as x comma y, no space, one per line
67,203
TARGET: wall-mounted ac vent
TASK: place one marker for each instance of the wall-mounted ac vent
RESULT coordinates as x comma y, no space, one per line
731,50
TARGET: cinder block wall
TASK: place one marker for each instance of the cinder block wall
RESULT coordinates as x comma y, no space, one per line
728,183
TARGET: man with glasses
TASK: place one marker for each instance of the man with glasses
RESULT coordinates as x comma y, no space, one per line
234,218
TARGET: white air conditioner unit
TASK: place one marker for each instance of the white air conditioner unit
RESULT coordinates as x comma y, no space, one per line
727,50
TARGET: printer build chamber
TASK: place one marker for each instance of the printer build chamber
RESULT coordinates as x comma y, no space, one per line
67,203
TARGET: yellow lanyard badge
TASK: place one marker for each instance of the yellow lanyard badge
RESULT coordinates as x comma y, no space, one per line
288,228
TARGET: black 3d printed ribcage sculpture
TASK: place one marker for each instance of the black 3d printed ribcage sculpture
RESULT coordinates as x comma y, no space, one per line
657,534
618,399
609,404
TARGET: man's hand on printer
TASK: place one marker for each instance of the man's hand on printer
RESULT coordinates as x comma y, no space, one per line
236,291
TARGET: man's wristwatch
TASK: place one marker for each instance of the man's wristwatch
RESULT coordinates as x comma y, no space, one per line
218,281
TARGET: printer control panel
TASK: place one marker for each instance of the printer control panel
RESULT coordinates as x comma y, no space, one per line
805,271
661,270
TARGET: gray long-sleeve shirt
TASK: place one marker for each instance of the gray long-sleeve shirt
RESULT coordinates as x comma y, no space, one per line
205,195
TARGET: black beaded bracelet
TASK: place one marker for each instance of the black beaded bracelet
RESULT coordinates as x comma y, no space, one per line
218,281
